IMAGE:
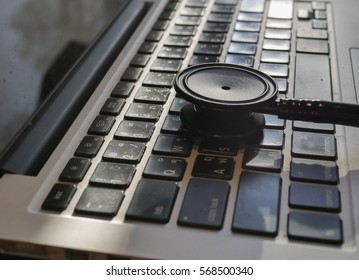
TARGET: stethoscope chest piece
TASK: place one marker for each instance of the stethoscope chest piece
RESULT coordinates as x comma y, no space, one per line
222,99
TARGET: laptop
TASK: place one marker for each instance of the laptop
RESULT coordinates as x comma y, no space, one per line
105,168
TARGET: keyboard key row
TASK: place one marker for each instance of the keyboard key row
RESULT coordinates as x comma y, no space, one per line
204,205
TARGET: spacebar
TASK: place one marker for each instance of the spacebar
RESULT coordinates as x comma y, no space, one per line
312,77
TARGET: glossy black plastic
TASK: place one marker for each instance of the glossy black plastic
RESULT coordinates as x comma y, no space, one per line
227,102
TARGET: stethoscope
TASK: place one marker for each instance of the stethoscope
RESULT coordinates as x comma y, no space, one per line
227,101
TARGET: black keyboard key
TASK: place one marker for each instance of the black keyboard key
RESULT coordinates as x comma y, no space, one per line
192,11
242,48
320,14
272,139
167,15
315,227
314,127
183,30
240,59
159,79
319,24
153,201
223,8
172,6
173,125
188,20
161,25
208,49
253,6
314,197
178,41
282,84
100,202
135,130
59,197
112,106
263,160
166,168
280,34
166,65
213,167
245,37
131,74
275,57
214,38
247,26
280,10
177,105
197,3
204,204
140,60
173,53
173,145
101,125
225,3
312,85
312,34
256,17
314,145
219,17
318,5
122,89
279,23
200,59
152,95
124,151
257,204
304,14
144,112
89,146
317,171
115,175
154,36
276,45
147,48
218,148
75,170
216,27
312,46
275,70
272,121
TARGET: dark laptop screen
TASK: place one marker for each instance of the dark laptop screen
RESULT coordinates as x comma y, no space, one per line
39,42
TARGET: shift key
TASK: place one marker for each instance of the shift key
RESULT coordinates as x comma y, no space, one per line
257,204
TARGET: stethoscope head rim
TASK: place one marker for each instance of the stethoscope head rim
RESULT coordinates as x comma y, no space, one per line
226,87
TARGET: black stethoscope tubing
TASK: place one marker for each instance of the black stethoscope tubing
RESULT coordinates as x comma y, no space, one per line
213,77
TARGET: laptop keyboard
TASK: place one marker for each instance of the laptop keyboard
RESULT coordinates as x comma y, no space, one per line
283,39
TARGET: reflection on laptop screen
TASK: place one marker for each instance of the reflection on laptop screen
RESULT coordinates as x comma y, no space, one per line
40,41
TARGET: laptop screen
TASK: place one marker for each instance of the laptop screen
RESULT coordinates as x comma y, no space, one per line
39,41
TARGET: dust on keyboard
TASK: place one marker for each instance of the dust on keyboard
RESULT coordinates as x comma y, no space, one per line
281,38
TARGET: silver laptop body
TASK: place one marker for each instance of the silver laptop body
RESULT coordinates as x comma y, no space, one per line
154,191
